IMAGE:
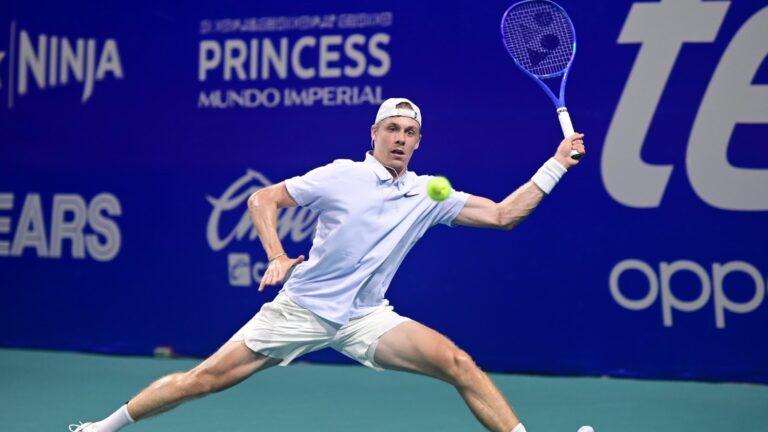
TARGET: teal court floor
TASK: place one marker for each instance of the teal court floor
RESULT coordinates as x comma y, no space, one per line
45,391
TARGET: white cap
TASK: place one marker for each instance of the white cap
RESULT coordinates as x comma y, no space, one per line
389,108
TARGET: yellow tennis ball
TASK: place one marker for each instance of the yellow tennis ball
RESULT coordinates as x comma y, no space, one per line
439,188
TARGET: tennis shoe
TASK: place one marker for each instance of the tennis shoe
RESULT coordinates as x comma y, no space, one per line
83,427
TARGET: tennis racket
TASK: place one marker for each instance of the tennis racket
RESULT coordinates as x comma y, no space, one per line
541,40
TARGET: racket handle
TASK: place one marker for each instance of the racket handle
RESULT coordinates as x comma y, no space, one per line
567,126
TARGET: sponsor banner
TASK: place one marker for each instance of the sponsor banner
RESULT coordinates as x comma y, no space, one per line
132,136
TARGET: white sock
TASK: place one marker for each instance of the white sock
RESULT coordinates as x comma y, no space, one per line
519,428
118,420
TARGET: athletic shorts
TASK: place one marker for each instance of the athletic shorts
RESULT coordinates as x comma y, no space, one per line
284,330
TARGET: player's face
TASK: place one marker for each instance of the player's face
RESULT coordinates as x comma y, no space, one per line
395,139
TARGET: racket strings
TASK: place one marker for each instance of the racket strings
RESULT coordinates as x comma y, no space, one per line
540,37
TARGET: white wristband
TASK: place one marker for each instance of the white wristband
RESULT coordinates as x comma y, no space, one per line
548,175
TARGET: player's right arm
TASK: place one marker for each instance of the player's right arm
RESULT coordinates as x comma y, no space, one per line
484,213
262,206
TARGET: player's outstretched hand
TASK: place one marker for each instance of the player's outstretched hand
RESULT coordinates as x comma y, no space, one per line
563,153
278,270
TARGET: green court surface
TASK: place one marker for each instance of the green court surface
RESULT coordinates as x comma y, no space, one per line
45,391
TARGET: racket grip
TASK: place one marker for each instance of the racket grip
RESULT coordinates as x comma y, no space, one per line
567,126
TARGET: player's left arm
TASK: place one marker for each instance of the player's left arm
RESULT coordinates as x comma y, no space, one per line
484,213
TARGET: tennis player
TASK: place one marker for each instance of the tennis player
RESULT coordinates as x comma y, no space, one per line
370,215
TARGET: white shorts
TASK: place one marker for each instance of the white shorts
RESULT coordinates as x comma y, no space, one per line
284,330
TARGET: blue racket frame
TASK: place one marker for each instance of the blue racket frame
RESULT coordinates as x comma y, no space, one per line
563,116
559,102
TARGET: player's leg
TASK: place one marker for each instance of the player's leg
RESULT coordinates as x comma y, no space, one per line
413,347
281,330
231,364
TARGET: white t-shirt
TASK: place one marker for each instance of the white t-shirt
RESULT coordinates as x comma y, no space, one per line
366,225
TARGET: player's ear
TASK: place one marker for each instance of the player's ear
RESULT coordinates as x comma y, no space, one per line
373,134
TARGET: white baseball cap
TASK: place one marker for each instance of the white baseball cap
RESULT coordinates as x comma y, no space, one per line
389,108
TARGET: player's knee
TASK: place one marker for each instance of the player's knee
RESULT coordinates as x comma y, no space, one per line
462,370
200,383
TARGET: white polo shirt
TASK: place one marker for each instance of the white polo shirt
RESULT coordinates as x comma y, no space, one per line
367,223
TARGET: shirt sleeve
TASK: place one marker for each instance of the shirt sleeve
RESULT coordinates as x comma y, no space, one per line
449,209
313,188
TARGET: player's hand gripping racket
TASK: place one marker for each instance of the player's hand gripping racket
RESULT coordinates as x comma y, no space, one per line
540,38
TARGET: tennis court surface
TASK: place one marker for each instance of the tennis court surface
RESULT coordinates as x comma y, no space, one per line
46,391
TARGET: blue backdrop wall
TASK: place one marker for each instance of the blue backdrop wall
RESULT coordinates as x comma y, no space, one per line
131,134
